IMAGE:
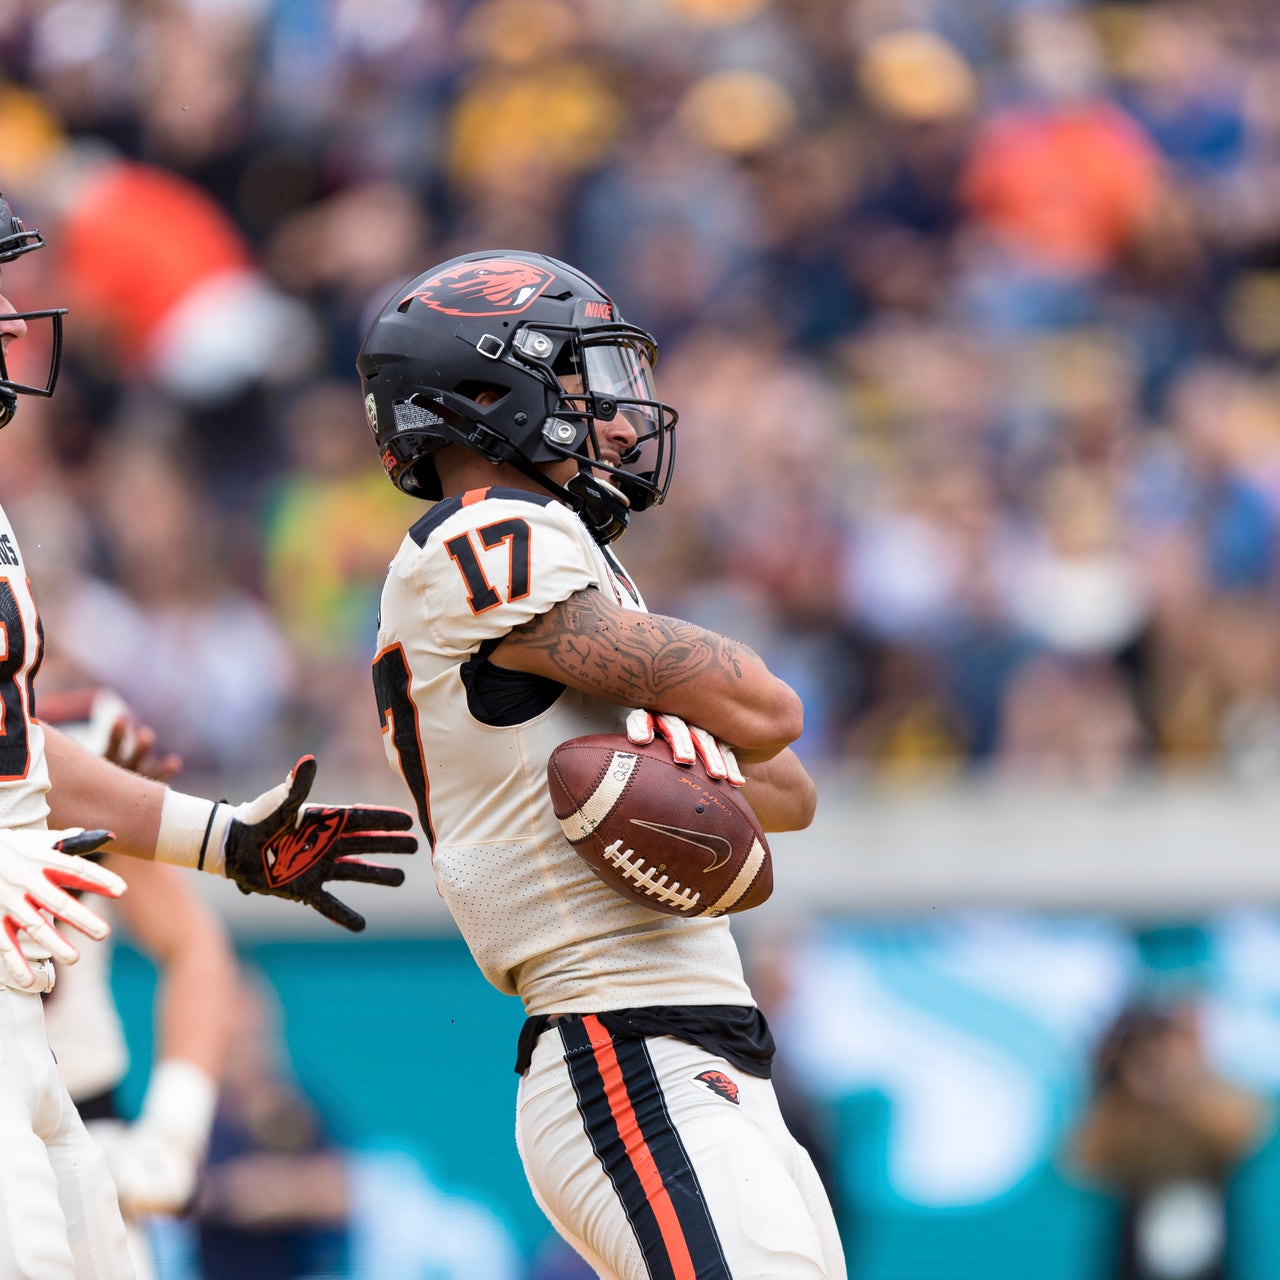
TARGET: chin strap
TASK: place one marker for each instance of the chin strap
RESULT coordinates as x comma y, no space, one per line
8,406
603,508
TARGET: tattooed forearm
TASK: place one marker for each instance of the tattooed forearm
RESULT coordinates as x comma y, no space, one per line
729,652
664,664
632,657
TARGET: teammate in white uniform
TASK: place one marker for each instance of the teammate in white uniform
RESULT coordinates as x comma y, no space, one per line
504,387
154,1160
59,1216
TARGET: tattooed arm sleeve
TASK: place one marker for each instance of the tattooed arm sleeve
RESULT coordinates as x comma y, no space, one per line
661,663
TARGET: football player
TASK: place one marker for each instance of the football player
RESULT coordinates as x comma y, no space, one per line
154,1160
505,388
59,1216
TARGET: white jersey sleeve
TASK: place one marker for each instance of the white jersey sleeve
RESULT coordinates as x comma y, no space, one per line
491,566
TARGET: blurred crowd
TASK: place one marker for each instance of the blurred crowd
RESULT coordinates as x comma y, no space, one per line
971,309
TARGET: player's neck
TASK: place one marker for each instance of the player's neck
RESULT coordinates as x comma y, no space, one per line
468,471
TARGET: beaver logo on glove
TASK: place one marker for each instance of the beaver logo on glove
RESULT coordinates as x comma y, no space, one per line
297,849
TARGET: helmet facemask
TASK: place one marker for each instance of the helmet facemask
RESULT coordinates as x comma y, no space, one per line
15,240
596,376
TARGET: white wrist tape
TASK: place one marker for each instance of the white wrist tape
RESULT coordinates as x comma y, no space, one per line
180,1101
193,831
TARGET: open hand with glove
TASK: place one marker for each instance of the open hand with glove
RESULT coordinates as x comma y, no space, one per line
278,845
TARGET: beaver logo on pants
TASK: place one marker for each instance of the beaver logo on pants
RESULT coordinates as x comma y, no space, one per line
719,1084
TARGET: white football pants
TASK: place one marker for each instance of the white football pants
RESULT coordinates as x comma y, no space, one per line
134,1228
657,1160
59,1216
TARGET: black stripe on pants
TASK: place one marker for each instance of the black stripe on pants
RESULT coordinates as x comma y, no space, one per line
631,1132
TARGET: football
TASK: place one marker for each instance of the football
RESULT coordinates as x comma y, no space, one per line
666,835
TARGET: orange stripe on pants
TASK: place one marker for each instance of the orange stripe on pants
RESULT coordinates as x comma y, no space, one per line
637,1149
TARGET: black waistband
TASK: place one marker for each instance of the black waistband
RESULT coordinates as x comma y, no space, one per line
101,1106
737,1033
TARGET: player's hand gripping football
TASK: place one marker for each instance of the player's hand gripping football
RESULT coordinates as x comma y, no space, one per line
688,743
36,870
279,846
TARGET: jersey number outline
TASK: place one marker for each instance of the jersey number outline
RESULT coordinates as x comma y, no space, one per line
398,715
15,744
481,593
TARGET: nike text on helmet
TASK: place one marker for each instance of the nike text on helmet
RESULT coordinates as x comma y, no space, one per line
15,240
548,342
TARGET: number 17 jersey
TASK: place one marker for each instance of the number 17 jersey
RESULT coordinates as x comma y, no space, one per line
471,741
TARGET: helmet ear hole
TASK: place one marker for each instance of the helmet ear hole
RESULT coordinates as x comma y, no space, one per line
485,393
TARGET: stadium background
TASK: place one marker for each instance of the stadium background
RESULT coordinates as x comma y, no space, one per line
972,313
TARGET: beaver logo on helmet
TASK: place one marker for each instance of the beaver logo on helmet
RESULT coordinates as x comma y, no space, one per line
485,287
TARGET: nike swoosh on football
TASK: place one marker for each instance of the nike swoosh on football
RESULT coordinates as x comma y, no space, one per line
719,851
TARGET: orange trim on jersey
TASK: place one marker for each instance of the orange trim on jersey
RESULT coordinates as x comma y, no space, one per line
473,496
637,1149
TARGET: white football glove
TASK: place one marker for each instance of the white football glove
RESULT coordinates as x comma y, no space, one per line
688,743
36,870
156,1160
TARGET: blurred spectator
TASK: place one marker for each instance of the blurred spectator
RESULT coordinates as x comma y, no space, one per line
532,115
151,263
328,528
922,95
1059,182
272,1201
326,536
1164,1133
170,582
346,253
1068,721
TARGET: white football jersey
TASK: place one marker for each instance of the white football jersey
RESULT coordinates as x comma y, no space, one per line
472,743
24,776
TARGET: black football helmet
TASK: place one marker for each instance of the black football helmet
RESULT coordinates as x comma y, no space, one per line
549,342
15,240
